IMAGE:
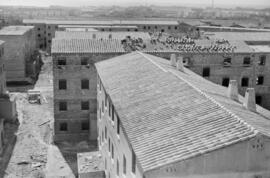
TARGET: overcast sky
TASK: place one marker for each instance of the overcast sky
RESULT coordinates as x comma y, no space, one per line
219,3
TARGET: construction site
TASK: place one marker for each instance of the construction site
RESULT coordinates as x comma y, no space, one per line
29,150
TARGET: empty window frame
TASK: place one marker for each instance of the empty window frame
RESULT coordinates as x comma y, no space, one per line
63,126
206,72
124,165
84,61
62,106
85,105
260,80
245,82
112,151
118,125
84,84
258,99
61,61
246,61
62,84
117,167
225,82
112,113
262,60
105,132
109,145
227,61
133,162
85,125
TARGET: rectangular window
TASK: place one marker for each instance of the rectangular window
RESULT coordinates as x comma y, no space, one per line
206,72
245,82
112,113
133,162
110,110
85,105
112,151
258,99
102,107
62,84
118,125
117,168
109,145
62,106
225,82
260,80
99,113
262,60
84,61
61,61
85,125
85,84
102,136
246,61
106,99
63,126
124,165
105,132
227,61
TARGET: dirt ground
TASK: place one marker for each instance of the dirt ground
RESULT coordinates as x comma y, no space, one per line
29,156
34,154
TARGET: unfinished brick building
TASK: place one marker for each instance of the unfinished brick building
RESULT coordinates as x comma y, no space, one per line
163,120
74,81
20,62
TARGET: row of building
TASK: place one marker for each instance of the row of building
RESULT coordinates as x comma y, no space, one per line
45,29
158,119
74,55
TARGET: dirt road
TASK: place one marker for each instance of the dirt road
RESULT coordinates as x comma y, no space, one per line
34,134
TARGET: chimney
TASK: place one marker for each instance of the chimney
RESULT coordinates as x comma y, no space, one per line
179,64
249,101
173,60
233,90
94,36
110,36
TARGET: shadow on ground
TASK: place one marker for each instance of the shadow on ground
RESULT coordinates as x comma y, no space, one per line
69,152
10,137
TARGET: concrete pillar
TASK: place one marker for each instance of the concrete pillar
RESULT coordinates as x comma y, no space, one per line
233,90
250,102
173,60
179,64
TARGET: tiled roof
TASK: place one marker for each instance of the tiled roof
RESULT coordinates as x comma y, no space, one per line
86,46
244,36
15,30
102,22
170,116
241,47
100,35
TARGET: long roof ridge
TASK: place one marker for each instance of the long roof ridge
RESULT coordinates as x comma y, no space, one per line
204,94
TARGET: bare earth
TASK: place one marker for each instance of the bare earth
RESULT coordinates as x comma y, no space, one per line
34,154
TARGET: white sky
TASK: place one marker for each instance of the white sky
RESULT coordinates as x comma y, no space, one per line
220,3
